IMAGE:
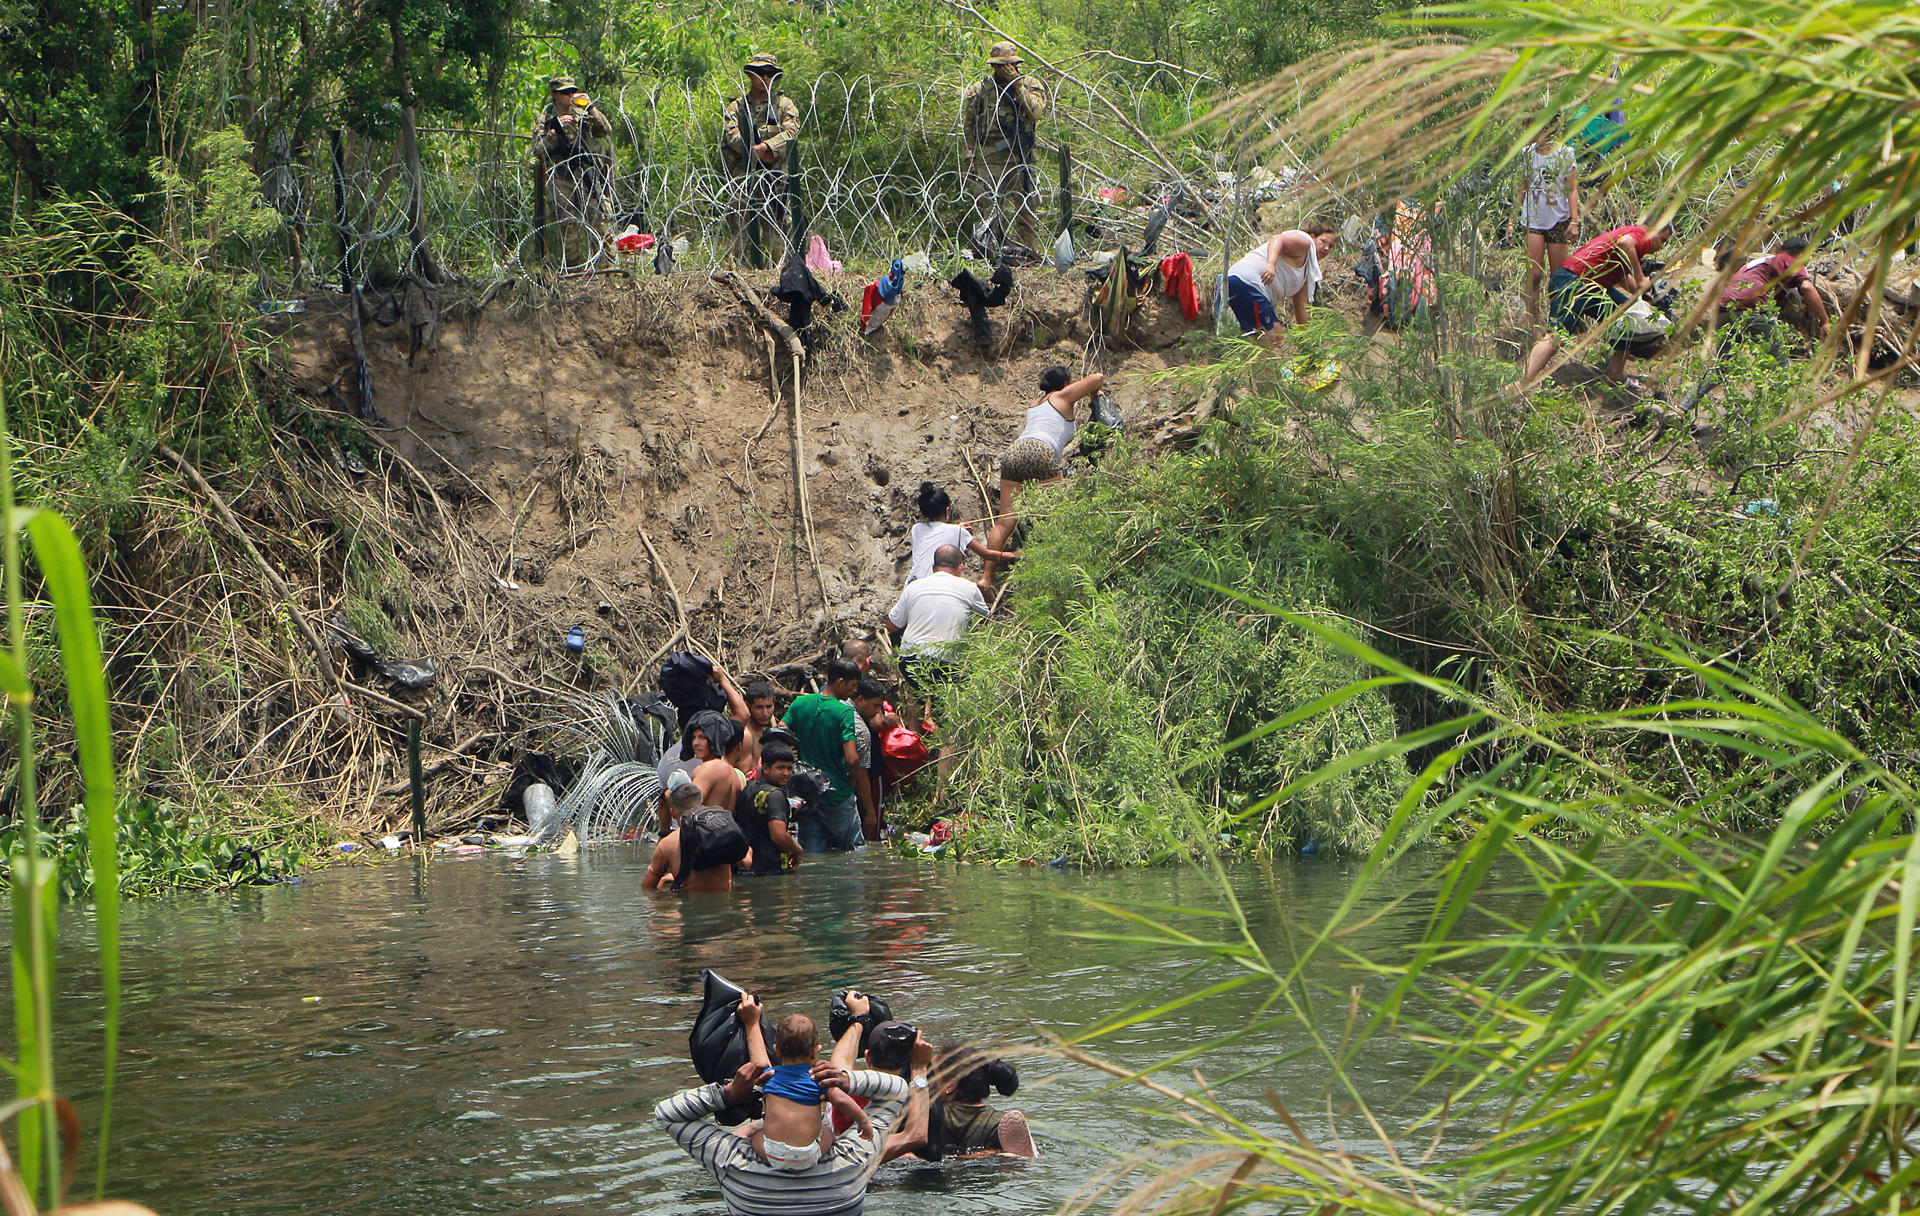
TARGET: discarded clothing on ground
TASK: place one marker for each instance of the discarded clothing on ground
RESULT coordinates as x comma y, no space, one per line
818,259
654,720
977,298
882,297
412,676
800,291
1176,271
717,1044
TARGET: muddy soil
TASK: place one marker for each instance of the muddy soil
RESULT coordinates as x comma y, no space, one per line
567,435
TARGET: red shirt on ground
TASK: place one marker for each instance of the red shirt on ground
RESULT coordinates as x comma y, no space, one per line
1600,260
1756,278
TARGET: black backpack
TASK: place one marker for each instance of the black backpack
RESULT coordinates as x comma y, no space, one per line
687,681
708,837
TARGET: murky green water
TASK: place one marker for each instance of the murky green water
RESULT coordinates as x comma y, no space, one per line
491,1036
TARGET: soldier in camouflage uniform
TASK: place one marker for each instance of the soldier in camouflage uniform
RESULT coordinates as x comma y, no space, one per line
573,155
757,166
998,116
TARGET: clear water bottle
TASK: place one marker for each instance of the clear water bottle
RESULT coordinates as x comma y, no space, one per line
539,803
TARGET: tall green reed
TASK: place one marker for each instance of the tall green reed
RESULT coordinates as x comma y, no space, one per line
57,556
1650,1014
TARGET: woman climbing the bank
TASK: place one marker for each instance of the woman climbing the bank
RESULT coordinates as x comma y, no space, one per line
1039,453
937,527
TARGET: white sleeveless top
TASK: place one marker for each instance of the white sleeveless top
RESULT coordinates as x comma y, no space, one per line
1045,422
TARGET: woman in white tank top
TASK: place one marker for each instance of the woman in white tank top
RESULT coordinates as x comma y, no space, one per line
1039,452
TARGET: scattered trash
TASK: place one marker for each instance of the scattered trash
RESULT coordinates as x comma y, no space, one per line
1063,251
577,639
818,259
539,802
1117,195
309,1000
977,297
506,583
460,850
390,843
882,297
919,262
511,842
473,838
633,240
1763,507
409,675
1106,413
281,308
569,847
346,846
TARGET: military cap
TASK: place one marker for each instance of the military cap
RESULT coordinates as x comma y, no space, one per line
1004,52
764,59
562,84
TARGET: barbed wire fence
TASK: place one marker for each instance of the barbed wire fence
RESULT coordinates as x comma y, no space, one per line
877,174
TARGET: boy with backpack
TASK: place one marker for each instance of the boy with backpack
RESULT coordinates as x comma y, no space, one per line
699,854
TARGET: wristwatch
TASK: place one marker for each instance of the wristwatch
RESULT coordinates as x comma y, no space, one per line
919,1082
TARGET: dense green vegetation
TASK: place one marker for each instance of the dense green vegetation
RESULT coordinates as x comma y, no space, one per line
1504,548
1546,572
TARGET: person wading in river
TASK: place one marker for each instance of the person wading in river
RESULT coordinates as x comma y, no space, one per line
836,1186
670,855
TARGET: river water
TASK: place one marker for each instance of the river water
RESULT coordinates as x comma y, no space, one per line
480,1035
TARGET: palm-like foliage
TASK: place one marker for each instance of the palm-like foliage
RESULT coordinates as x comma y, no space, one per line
1775,114
1682,1021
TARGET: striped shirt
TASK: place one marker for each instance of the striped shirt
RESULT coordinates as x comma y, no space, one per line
837,1186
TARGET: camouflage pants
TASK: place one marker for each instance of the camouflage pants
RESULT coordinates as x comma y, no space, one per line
1000,184
578,203
761,197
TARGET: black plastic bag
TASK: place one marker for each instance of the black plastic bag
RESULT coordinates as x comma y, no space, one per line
717,1044
687,681
839,1018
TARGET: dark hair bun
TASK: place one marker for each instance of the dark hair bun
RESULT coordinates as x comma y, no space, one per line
933,501
1003,1077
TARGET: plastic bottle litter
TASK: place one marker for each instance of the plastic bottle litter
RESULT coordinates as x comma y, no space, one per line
346,846
539,802
577,639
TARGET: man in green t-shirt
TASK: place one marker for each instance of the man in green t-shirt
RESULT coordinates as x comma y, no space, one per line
823,722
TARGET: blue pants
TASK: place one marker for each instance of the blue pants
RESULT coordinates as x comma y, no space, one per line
1250,307
830,826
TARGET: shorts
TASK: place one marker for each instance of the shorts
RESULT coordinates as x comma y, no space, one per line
794,1157
1561,233
1574,304
1030,460
830,826
1251,307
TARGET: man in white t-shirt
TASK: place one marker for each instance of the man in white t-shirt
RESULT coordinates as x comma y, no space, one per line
934,611
929,618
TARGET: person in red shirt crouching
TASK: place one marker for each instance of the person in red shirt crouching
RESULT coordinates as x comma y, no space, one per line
1587,287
